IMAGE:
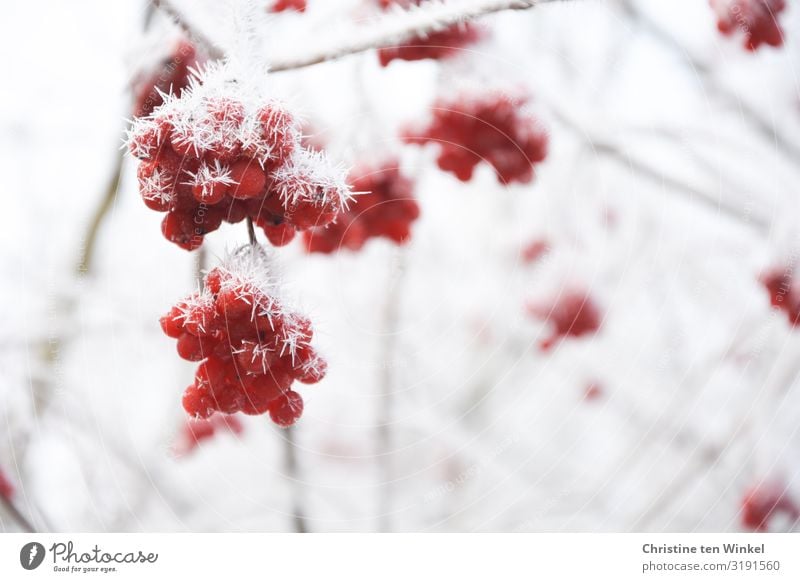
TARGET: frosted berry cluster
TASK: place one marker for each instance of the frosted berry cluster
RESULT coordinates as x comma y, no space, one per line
218,153
283,5
783,293
755,20
6,487
197,430
171,75
251,348
492,127
764,502
384,207
439,44
572,314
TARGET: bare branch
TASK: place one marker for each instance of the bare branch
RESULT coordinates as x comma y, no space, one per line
399,27
16,515
99,215
711,85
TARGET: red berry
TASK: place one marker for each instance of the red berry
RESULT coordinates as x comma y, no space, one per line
197,402
280,234
249,179
286,409
172,322
190,348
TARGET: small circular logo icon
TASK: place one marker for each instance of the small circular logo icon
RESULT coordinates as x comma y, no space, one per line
31,555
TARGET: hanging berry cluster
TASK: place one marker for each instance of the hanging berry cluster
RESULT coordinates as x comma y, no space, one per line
492,127
385,207
213,155
171,75
439,44
572,314
765,501
283,5
783,293
251,348
755,20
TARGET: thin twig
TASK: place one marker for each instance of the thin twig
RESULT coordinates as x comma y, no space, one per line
711,84
399,27
100,213
618,154
16,515
292,470
386,401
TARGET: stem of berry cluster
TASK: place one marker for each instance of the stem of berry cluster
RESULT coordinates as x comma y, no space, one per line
16,515
251,232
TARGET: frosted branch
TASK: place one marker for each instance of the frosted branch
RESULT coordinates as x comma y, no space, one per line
169,9
399,27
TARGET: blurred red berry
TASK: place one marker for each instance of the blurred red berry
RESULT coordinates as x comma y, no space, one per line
384,206
6,487
440,44
492,128
282,5
285,410
763,502
755,20
571,314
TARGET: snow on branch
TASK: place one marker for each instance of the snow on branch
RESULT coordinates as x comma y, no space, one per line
392,29
398,27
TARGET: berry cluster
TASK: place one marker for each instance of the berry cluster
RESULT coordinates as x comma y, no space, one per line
216,154
251,348
492,127
783,293
765,501
573,313
283,5
197,430
384,207
6,487
439,44
756,20
170,76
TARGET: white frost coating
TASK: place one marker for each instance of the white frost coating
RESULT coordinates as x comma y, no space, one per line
219,110
311,176
158,185
210,175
